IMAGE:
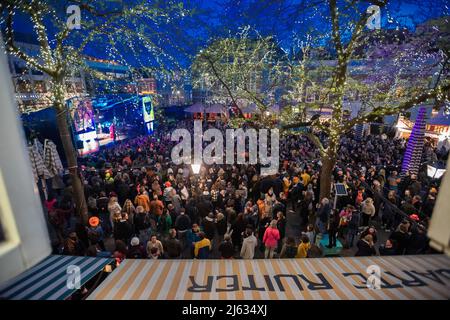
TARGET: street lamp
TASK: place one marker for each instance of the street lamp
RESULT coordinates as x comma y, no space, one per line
195,168
435,171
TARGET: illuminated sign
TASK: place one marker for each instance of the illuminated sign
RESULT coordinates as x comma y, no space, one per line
147,109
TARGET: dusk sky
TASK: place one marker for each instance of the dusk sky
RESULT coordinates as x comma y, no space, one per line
282,19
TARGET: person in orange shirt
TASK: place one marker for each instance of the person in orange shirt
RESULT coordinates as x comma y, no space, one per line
143,200
156,206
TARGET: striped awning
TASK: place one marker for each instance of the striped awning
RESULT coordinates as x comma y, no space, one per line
48,280
402,278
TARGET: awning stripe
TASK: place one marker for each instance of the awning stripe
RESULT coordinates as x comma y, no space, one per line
166,285
87,275
342,268
170,295
335,294
293,269
43,276
151,285
322,278
273,268
60,281
203,275
182,288
27,274
341,287
362,267
376,294
427,292
48,279
121,283
305,266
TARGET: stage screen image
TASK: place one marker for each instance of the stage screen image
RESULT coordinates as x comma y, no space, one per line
148,113
82,115
147,109
90,143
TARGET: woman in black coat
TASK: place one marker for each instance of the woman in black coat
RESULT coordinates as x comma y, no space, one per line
366,247
221,225
209,226
238,227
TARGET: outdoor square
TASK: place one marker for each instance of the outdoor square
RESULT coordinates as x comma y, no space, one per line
234,151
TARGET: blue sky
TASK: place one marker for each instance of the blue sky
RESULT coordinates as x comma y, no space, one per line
280,18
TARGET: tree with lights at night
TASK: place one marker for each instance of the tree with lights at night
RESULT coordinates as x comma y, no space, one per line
138,29
402,76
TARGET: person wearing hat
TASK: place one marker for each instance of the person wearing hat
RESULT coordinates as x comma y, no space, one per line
136,250
167,191
95,232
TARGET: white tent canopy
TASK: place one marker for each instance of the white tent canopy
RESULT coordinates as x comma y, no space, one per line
275,108
216,108
195,108
250,108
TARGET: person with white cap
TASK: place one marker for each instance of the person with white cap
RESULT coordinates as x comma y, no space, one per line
136,250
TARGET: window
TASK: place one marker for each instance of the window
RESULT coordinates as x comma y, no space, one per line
39,87
36,72
20,67
23,86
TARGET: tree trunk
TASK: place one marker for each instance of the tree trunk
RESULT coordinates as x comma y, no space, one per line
325,176
71,155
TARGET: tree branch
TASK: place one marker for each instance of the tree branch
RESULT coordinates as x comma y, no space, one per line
227,88
336,35
385,111
12,48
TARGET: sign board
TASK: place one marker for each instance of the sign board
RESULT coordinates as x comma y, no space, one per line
400,278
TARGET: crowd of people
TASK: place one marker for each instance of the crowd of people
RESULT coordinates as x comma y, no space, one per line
142,206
